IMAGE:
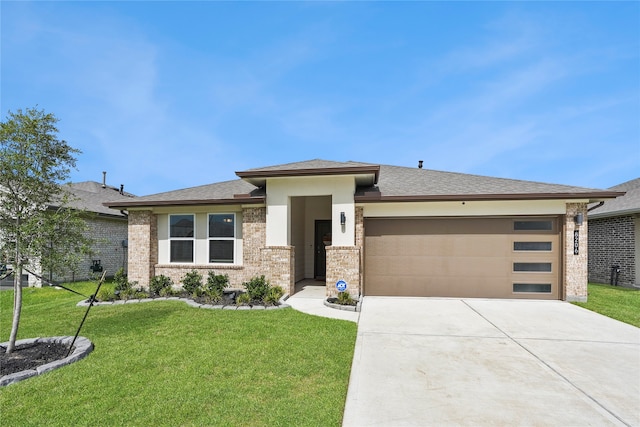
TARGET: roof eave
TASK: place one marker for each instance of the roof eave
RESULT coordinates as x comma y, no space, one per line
197,202
592,197
610,214
258,178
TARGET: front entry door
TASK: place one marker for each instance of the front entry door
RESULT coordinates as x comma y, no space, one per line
322,240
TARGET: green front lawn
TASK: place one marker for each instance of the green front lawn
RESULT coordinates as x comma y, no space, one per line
165,363
614,301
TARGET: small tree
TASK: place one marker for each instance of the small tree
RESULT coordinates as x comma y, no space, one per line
39,230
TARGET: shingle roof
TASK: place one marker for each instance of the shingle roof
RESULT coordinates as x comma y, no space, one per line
236,191
623,205
91,196
312,164
403,182
393,183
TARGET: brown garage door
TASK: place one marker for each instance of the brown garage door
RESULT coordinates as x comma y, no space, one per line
462,257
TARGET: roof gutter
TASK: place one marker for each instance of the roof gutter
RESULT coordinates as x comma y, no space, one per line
372,197
151,203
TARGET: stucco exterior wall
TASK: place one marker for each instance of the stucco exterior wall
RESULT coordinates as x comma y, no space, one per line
467,208
280,191
612,242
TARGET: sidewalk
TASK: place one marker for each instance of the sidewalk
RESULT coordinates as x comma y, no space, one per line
309,298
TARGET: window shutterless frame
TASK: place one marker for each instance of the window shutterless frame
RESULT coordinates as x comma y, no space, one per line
222,238
182,231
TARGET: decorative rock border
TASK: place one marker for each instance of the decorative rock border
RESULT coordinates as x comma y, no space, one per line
344,307
81,349
192,303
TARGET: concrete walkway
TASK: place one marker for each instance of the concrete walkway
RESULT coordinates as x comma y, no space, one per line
440,362
309,298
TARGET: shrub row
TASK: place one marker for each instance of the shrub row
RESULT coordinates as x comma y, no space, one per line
258,289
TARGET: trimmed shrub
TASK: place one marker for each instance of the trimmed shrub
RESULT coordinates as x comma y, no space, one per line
217,282
121,281
192,282
243,299
160,284
106,294
344,298
273,295
257,288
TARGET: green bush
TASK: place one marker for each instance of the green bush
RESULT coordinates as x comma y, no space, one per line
212,296
257,288
344,298
167,292
121,281
273,295
192,282
106,294
243,299
217,282
160,284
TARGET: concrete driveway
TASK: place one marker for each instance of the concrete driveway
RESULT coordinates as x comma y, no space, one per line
434,362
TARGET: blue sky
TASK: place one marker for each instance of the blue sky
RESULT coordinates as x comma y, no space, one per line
168,95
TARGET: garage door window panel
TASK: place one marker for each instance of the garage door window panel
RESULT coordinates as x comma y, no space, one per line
532,246
546,225
542,288
532,267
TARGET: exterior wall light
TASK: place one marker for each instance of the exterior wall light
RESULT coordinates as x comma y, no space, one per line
579,218
343,218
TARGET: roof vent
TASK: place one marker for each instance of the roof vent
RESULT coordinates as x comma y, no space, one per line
419,164
121,188
104,179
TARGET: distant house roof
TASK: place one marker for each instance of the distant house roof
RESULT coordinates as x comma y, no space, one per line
92,196
623,205
375,183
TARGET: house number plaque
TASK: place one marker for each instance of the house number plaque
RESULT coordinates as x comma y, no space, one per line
576,242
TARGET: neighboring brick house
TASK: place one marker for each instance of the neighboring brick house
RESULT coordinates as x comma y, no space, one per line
383,230
614,238
108,228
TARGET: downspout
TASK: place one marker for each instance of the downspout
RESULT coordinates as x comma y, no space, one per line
595,207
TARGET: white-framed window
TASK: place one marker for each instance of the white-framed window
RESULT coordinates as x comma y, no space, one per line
222,238
182,229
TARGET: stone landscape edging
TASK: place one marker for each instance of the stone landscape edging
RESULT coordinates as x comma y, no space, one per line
342,306
191,303
82,347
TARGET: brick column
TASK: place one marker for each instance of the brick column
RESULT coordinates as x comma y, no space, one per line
575,266
343,263
278,266
254,237
143,246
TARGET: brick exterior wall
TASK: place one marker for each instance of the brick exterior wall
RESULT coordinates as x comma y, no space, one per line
108,234
274,263
612,242
254,235
143,246
575,266
343,263
176,273
278,266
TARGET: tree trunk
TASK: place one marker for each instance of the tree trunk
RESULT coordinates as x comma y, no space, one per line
17,293
17,307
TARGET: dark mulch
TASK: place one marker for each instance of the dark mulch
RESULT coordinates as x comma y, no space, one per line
30,356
